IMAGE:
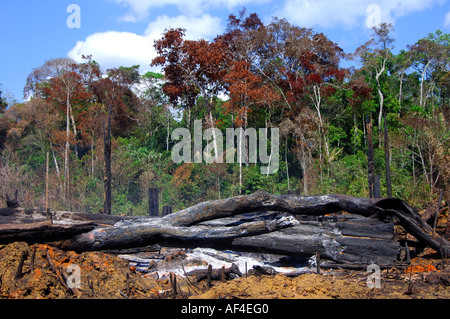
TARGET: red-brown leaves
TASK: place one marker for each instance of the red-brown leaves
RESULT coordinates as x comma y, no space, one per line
246,90
192,68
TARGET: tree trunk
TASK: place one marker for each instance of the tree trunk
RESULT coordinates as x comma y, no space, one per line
41,232
387,159
75,132
381,97
12,202
240,160
92,173
141,233
66,149
107,155
46,182
287,164
400,91
370,157
422,81
153,202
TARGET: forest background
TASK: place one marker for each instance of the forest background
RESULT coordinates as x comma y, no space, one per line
89,139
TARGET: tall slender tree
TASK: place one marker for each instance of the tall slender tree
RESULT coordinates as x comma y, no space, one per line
111,92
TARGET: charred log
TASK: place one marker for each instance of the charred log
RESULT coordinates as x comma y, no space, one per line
126,234
353,240
227,223
41,232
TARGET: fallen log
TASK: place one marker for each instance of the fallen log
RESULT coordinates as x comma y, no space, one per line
383,209
342,241
126,234
23,216
40,232
356,241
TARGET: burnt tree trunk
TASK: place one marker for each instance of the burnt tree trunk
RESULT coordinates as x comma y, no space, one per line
387,158
256,222
107,155
153,202
370,157
12,202
40,232
353,239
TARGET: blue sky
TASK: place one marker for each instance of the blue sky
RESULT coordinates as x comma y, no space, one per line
121,32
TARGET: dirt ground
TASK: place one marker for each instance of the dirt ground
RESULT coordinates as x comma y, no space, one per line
106,276
102,276
330,285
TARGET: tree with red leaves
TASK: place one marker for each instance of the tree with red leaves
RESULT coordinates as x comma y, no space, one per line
192,69
303,67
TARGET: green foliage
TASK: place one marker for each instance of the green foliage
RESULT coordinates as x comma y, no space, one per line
336,135
3,104
153,75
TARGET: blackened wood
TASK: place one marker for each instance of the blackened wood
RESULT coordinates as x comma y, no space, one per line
23,257
126,234
46,182
328,239
208,276
282,234
127,284
407,253
167,210
173,284
262,271
12,202
223,274
370,157
153,202
377,187
387,159
33,255
216,274
91,286
22,216
40,232
177,225
49,216
107,200
318,263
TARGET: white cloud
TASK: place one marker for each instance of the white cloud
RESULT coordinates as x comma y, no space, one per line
348,13
113,49
447,20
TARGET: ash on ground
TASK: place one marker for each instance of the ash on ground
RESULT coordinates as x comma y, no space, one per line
183,261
